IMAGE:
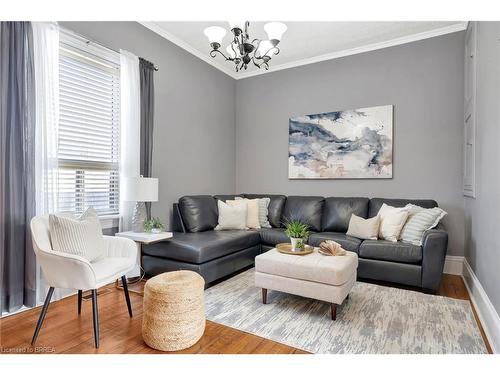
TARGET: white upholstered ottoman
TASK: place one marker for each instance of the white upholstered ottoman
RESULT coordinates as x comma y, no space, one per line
325,278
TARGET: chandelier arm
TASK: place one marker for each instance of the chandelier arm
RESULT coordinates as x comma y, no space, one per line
255,63
235,53
275,50
256,47
237,40
213,54
247,25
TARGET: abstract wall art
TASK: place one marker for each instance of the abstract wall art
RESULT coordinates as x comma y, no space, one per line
343,144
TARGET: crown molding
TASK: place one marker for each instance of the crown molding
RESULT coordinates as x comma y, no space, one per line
367,48
153,26
460,26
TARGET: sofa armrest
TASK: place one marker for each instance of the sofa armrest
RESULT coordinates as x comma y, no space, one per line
434,247
177,223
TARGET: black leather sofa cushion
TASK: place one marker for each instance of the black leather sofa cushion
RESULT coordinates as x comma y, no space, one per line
347,242
199,212
376,203
402,273
305,209
337,212
275,207
273,236
202,247
391,251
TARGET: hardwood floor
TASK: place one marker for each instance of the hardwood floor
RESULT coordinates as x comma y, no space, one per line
64,331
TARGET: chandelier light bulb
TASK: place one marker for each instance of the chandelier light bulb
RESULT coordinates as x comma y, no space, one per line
275,31
215,34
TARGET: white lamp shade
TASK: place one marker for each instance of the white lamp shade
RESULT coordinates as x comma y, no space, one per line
215,34
264,47
140,189
275,30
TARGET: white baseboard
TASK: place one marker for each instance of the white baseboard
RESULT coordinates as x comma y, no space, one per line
454,265
486,312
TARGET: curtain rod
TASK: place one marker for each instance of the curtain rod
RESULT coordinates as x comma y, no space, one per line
88,41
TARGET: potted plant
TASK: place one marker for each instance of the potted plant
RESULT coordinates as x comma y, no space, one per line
153,226
298,233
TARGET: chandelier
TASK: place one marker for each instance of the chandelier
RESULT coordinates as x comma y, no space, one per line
242,51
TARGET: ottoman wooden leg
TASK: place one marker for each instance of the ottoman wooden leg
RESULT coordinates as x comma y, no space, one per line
264,296
334,311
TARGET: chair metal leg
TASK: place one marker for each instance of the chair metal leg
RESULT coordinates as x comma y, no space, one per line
80,302
42,315
95,314
127,297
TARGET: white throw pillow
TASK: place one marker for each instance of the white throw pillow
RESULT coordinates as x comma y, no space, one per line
365,229
252,211
392,220
81,236
232,217
263,211
419,220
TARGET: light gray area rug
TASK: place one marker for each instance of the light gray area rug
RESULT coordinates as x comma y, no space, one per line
375,319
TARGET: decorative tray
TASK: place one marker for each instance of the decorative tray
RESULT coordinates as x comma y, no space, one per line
286,248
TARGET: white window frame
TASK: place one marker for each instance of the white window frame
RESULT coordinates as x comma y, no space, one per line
74,44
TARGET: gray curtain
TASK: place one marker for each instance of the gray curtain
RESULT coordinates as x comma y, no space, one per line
17,163
147,99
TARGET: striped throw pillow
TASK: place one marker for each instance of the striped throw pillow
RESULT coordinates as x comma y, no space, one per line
81,236
263,211
419,220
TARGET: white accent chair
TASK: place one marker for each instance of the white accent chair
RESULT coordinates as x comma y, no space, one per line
63,270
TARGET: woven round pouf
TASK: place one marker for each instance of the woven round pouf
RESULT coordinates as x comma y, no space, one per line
173,310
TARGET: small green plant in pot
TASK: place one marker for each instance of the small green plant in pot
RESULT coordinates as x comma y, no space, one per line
153,226
298,233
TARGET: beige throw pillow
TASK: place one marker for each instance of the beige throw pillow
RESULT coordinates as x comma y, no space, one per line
81,236
252,211
263,211
392,220
365,229
232,217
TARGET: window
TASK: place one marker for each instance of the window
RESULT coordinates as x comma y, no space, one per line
89,126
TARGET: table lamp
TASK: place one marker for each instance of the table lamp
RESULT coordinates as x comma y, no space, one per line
140,190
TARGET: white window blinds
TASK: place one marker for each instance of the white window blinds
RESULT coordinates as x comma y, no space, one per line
89,126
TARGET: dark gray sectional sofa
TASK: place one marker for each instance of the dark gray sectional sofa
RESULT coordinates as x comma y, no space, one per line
215,254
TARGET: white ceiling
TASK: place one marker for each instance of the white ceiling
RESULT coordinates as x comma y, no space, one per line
305,42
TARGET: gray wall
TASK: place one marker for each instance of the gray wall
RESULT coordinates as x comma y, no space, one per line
194,149
424,82
483,212
194,115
